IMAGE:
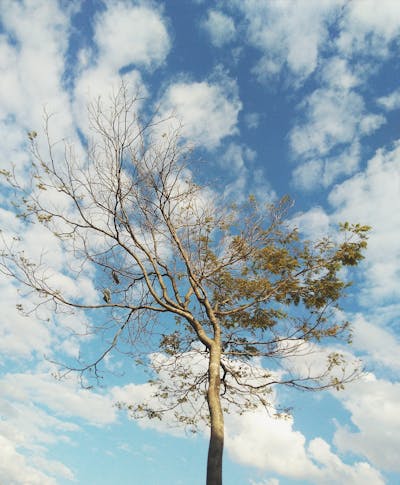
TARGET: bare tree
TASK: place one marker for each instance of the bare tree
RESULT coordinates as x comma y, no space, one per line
238,280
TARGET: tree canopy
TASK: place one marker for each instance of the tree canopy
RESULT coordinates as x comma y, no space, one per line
248,298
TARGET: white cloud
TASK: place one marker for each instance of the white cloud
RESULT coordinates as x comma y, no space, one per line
372,197
373,404
11,149
288,34
368,27
32,67
380,345
14,327
370,123
15,470
391,101
53,467
294,34
261,441
236,156
101,81
332,117
169,371
337,73
134,394
258,440
308,175
125,35
29,404
310,360
313,224
335,118
38,242
335,471
323,172
220,27
385,315
64,397
367,198
131,34
208,111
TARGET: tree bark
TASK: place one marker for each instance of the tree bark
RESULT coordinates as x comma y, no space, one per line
216,445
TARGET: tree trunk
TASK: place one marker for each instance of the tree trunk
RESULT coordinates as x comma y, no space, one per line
216,445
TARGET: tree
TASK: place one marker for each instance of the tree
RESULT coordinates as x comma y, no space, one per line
239,280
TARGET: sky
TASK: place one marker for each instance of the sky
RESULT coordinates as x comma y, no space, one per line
296,97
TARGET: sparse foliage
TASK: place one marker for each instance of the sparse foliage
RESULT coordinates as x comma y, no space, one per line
248,296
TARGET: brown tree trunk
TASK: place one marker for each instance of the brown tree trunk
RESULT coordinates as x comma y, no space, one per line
216,445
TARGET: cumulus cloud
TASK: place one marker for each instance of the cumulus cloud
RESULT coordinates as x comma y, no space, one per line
293,35
31,405
169,374
368,197
37,240
368,27
332,117
257,440
322,172
335,119
264,442
127,33
100,80
335,116
35,43
336,72
335,471
313,224
63,397
373,404
15,469
13,328
391,101
288,35
118,45
308,175
236,156
379,345
32,65
220,27
207,110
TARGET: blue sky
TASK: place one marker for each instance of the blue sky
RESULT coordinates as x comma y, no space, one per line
294,97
